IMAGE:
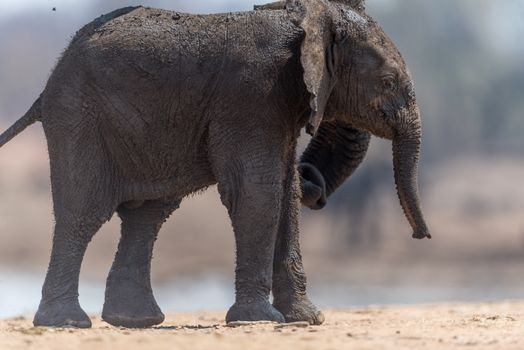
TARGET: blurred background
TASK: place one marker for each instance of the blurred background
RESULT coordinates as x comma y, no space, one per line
466,58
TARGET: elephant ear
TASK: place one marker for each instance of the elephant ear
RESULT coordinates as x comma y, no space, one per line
313,16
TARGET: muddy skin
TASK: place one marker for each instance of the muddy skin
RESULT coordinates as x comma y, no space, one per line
278,5
147,106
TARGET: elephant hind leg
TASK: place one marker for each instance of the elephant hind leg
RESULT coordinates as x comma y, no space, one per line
83,199
59,305
129,300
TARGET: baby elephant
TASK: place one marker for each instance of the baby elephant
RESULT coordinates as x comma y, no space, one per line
147,106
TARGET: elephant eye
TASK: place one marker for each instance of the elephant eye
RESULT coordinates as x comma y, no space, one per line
389,83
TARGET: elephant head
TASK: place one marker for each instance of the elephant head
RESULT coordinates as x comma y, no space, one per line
359,85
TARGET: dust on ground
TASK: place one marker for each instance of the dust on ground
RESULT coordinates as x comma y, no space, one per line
445,326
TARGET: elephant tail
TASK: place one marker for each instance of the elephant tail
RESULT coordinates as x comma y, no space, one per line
33,115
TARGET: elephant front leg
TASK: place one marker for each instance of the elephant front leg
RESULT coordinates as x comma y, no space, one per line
254,211
289,279
129,300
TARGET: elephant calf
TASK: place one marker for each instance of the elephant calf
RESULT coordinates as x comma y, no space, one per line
147,106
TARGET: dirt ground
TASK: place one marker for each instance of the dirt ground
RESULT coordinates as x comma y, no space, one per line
445,326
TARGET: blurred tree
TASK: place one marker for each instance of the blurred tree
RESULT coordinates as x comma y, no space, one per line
457,69
360,203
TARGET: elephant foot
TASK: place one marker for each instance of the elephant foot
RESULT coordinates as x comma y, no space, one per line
300,310
254,311
61,313
131,306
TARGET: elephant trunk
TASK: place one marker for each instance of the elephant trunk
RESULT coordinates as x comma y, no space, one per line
406,154
333,154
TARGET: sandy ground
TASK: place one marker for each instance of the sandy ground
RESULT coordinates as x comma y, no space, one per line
450,326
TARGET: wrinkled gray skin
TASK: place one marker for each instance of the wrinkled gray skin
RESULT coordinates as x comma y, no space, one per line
148,106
